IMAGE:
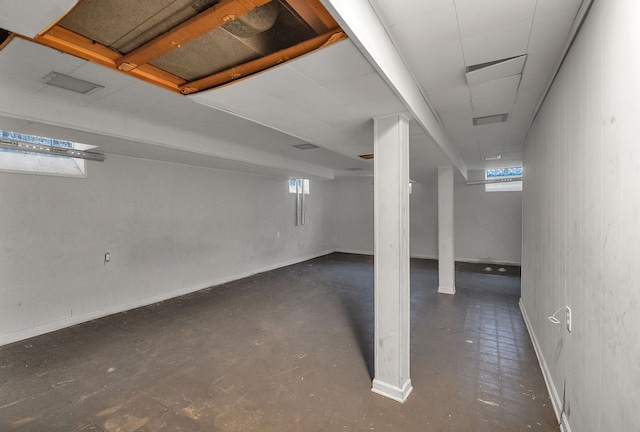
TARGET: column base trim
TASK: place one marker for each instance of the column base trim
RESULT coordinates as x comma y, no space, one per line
392,392
447,290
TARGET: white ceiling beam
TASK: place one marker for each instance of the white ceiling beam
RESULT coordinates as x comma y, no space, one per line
360,21
19,106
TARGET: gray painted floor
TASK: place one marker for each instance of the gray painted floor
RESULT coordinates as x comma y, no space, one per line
286,350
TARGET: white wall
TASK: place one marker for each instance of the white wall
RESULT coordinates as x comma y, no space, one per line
170,229
487,225
581,225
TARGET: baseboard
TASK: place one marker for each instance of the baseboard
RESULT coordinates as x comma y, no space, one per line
392,392
68,322
435,257
447,290
425,257
556,402
354,251
488,261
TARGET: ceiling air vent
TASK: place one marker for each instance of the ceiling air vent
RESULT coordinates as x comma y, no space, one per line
354,169
498,118
70,83
306,146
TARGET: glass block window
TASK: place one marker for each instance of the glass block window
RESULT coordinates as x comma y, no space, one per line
504,173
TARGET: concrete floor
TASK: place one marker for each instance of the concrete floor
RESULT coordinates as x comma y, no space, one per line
286,350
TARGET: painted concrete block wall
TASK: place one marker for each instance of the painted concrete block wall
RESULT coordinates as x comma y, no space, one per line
487,225
170,229
581,225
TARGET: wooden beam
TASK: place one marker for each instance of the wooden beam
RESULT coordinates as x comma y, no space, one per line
314,14
72,43
252,67
204,22
7,40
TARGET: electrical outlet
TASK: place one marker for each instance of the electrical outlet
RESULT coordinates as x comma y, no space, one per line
568,320
107,257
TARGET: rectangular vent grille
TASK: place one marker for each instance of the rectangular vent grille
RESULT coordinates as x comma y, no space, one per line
70,83
306,146
498,118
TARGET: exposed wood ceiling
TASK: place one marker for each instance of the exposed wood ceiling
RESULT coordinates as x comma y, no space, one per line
192,45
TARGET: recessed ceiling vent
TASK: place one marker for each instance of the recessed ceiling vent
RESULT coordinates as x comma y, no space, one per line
306,146
70,83
354,169
498,118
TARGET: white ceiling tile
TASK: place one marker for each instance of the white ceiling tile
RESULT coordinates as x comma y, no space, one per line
543,60
31,17
170,110
318,102
455,95
28,60
438,66
492,133
479,17
281,81
555,7
550,30
497,88
397,11
500,43
134,98
336,62
457,121
449,78
492,105
361,89
497,71
536,80
429,29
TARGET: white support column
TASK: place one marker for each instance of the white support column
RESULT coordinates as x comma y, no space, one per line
446,257
391,262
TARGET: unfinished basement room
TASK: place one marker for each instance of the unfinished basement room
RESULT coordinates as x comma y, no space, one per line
319,215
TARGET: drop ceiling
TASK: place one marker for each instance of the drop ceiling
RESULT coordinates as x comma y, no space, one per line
468,59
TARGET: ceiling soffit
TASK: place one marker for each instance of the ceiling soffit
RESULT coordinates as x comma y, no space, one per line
192,45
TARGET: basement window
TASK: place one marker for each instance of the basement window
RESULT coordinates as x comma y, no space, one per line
299,185
503,179
20,161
